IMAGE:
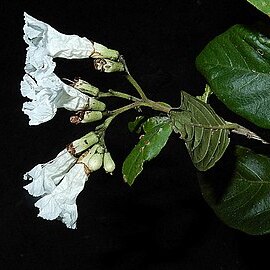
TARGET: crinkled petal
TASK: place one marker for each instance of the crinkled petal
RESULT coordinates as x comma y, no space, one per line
62,201
48,207
38,63
29,87
40,34
67,97
48,94
39,111
69,215
46,176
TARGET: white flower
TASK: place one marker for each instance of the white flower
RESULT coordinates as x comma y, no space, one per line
40,84
45,177
41,35
48,94
61,202
43,40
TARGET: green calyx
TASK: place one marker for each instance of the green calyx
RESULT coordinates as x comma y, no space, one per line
86,87
103,52
96,105
82,144
91,116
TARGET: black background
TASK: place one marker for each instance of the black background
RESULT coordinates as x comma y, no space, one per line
162,221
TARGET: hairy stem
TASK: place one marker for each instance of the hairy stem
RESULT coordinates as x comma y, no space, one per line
136,86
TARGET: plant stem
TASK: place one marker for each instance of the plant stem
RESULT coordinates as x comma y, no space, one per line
148,103
136,86
112,93
137,102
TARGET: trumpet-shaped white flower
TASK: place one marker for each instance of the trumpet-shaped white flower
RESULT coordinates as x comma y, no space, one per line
61,202
45,177
40,84
47,95
41,35
43,40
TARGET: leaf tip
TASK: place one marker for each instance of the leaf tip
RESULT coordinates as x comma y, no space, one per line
127,181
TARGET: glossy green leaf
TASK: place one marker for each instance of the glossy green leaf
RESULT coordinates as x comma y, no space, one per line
157,131
236,65
244,201
204,132
262,5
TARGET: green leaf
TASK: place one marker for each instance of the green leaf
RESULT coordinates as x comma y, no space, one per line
204,132
262,5
244,203
136,125
157,131
236,65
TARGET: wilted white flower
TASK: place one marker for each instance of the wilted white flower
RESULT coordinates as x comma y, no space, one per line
41,35
45,177
61,202
48,94
46,91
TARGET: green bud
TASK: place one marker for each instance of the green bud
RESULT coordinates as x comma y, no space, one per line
86,87
94,162
91,116
86,157
83,143
86,117
108,163
96,105
108,66
103,52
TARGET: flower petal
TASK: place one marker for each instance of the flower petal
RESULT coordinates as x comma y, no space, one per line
48,207
38,63
69,215
46,176
39,111
62,201
48,94
29,87
40,34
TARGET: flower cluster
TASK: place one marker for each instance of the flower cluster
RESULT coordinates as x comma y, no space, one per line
58,182
40,84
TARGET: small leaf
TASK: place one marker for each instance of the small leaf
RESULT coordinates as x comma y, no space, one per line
136,125
244,203
204,132
236,65
157,131
262,5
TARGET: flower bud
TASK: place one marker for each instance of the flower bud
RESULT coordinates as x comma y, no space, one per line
96,105
91,116
95,162
86,117
83,143
101,51
85,87
91,159
106,65
108,163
